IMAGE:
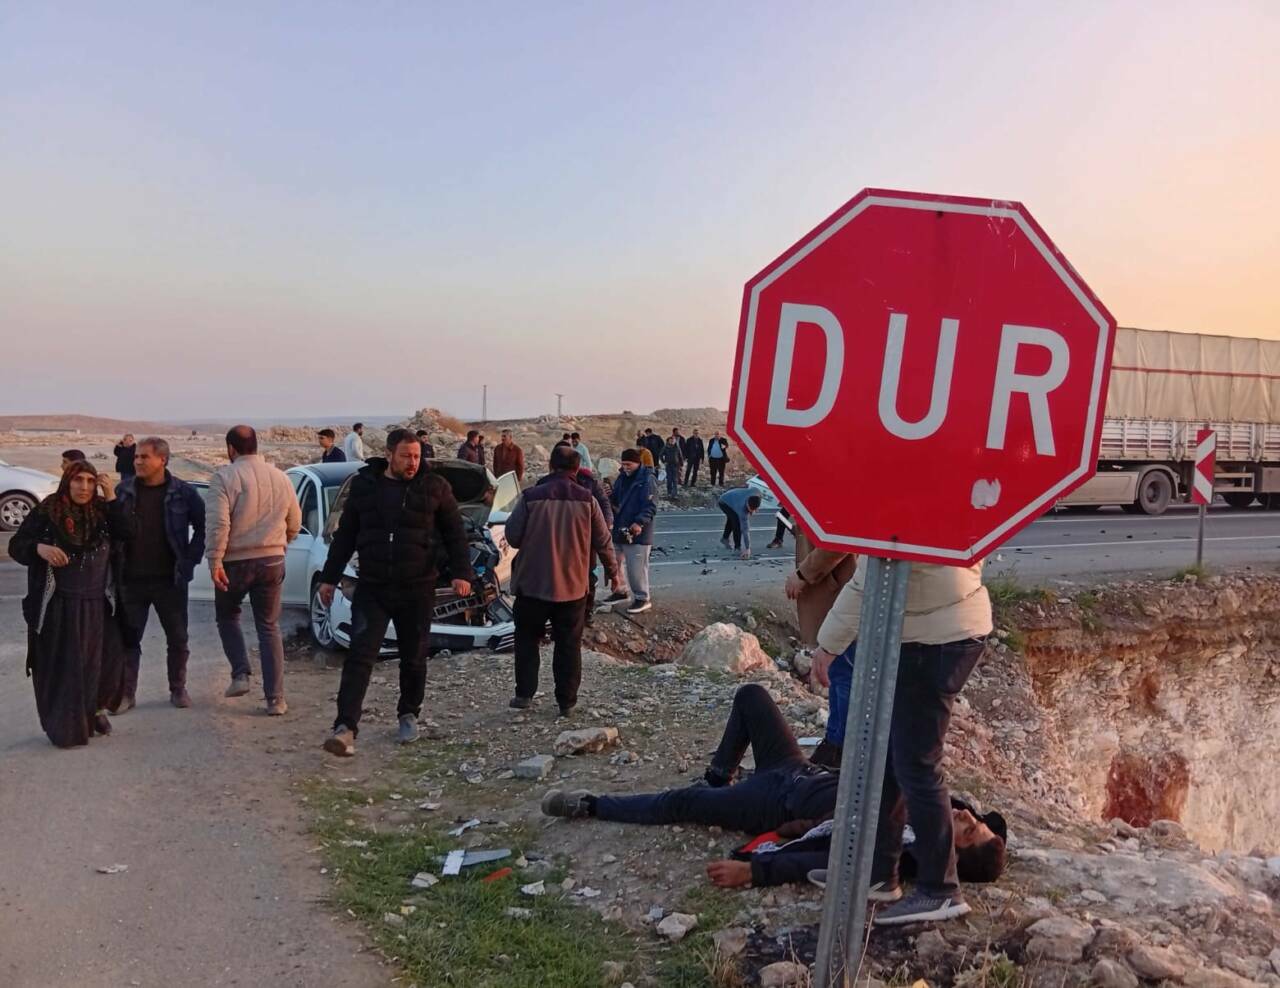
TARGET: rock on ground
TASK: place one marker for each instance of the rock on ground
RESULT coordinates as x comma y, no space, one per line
537,768
1113,974
727,648
1059,938
1156,963
676,926
586,739
784,974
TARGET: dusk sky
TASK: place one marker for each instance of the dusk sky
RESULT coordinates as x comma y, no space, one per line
256,209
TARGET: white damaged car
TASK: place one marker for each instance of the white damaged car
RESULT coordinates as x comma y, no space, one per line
21,489
482,620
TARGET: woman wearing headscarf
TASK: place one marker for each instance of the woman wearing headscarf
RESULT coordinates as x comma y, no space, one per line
72,547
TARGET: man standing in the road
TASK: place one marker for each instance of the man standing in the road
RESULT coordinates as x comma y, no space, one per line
329,452
353,445
635,504
508,457
717,458
672,463
471,449
160,560
253,514
397,516
557,526
694,452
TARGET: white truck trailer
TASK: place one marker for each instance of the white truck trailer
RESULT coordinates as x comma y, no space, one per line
1164,388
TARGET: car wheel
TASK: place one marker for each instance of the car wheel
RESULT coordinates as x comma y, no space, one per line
14,509
321,624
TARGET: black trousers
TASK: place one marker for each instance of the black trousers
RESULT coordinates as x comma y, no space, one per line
717,471
170,603
784,786
732,526
409,608
567,620
691,472
929,679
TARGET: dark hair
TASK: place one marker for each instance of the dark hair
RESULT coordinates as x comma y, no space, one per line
575,435
397,436
648,431
982,862
753,501
73,454
242,439
358,425
472,434
630,456
328,434
422,433
565,458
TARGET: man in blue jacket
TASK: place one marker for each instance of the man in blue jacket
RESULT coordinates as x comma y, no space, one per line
159,563
635,502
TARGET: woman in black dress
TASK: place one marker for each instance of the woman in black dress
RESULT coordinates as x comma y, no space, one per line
72,545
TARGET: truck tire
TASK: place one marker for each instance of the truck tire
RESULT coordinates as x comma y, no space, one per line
1155,491
1240,500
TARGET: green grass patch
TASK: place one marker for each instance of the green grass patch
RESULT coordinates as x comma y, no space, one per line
1088,603
1190,572
458,932
1006,592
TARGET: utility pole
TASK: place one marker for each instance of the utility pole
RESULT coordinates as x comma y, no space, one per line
559,407
484,404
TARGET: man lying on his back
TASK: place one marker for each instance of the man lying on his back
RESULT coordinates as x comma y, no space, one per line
786,794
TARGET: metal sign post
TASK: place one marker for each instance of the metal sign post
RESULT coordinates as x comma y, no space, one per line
1200,538
866,746
1202,477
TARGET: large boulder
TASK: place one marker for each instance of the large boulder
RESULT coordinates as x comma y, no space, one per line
727,648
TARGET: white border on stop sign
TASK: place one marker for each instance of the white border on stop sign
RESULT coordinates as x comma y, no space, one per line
1087,464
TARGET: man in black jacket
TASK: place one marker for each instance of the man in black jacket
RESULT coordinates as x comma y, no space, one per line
694,453
395,516
786,793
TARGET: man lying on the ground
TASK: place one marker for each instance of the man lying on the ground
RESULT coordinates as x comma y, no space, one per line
785,791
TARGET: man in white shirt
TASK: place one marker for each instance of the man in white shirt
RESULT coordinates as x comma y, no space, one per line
353,445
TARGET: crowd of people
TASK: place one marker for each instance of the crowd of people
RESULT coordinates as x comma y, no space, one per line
101,556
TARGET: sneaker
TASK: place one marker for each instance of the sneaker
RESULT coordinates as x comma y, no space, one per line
342,742
613,598
775,544
520,702
179,698
639,607
921,907
101,723
126,704
239,686
408,732
827,755
277,707
877,893
570,805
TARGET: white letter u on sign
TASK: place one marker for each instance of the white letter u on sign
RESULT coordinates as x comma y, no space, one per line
892,372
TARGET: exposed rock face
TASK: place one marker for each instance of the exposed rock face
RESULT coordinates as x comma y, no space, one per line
726,648
1168,706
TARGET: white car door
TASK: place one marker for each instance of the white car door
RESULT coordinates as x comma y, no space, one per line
504,501
297,559
201,586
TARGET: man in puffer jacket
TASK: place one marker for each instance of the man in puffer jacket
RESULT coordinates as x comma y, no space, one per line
395,516
635,504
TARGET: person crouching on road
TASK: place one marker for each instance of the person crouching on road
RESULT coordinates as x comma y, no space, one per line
168,544
558,527
948,617
397,516
738,506
71,544
635,505
252,513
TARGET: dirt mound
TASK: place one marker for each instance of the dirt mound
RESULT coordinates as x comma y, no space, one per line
711,418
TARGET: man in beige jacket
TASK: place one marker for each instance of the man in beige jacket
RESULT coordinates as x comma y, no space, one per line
252,514
948,617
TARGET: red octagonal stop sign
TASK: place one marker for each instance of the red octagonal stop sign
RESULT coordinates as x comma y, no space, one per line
921,376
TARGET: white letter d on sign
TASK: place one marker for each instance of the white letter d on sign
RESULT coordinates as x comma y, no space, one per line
1035,387
793,314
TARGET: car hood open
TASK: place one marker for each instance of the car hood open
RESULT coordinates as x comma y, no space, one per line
472,485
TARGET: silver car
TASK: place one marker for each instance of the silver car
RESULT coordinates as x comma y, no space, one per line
21,489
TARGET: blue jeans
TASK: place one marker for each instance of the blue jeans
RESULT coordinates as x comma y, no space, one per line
262,581
673,481
929,679
841,675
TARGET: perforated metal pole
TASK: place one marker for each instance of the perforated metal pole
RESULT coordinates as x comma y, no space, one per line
866,745
1200,538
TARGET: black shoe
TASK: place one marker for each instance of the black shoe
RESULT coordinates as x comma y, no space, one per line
180,698
920,907
613,598
567,711
717,778
101,724
827,755
520,702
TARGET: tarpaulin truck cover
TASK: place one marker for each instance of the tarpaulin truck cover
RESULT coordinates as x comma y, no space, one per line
1194,377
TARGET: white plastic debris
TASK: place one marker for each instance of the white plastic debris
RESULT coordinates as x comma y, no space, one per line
534,888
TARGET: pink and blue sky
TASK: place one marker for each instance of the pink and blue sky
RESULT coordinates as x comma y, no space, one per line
256,209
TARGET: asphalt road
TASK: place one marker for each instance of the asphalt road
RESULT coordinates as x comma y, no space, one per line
1082,548
220,887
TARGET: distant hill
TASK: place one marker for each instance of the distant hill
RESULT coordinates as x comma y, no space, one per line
82,423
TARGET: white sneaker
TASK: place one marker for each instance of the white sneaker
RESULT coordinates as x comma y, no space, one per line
639,607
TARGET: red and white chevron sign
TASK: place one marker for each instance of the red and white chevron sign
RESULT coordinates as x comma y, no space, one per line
1202,476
